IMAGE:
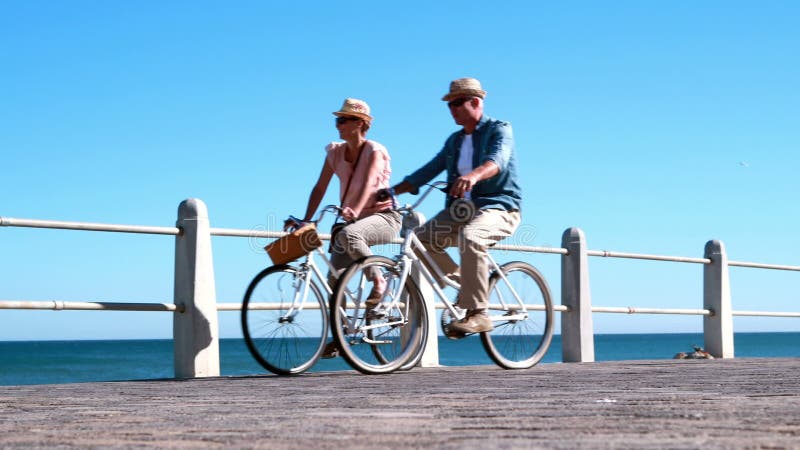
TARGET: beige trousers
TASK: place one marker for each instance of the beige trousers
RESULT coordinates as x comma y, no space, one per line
472,237
353,241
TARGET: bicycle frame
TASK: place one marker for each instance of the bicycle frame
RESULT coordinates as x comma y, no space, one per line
412,247
410,260
306,269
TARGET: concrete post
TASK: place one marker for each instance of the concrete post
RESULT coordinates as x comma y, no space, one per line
430,355
577,333
196,330
718,328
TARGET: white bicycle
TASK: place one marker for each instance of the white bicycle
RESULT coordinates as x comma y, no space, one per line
392,334
284,312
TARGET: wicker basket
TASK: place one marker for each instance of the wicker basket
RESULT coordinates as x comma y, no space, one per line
294,245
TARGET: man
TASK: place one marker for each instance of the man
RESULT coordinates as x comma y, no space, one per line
484,199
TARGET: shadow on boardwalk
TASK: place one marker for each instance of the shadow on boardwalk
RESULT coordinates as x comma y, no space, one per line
739,403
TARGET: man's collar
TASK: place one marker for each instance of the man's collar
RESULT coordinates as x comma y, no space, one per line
482,122
484,118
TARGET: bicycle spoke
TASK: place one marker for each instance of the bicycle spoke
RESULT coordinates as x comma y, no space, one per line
523,341
393,331
279,345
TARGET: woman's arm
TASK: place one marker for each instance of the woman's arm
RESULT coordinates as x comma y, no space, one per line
318,192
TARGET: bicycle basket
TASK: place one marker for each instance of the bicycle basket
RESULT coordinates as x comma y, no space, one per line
294,245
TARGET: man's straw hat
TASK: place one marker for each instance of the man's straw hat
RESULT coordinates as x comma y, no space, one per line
355,108
464,87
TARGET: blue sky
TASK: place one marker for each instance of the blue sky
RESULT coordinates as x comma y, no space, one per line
653,127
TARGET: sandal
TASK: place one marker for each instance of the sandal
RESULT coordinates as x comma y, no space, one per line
330,350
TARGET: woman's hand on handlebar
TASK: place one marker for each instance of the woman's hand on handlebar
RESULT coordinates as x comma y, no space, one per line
348,214
384,194
293,223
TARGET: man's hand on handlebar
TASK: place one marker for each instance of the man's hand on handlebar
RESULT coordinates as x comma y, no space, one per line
404,187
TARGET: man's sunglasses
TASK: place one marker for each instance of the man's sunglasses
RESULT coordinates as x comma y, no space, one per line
341,120
458,102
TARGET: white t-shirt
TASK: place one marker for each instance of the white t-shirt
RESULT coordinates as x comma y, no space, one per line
465,159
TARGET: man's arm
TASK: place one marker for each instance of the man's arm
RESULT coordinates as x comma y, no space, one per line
424,174
465,183
500,146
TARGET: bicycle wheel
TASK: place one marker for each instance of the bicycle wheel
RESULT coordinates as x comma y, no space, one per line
519,341
284,340
384,338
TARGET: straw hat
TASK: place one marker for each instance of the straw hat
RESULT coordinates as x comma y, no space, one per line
355,108
464,87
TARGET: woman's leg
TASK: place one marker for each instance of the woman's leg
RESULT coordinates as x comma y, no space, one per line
353,241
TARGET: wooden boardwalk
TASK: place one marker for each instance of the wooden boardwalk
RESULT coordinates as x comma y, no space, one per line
738,403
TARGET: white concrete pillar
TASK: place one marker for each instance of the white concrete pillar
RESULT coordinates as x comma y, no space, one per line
196,330
718,328
430,355
577,330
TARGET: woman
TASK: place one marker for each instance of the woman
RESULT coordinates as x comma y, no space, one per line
363,168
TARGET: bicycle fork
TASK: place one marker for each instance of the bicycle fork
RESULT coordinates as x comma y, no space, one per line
300,287
514,312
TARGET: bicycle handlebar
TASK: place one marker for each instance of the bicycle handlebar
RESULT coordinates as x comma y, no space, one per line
440,185
297,223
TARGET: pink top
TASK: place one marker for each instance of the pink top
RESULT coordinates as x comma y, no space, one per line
372,172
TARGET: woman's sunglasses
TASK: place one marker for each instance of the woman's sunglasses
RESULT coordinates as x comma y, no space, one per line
341,120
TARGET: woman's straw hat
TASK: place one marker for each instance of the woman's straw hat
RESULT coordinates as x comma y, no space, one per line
464,87
355,108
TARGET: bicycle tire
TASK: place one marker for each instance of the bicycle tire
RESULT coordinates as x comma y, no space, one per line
284,347
363,342
417,356
520,344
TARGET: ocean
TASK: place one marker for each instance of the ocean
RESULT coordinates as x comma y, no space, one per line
56,362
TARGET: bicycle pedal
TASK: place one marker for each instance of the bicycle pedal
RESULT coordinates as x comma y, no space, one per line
450,333
374,314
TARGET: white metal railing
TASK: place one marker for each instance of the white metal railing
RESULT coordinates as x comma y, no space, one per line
577,335
65,305
59,305
763,266
87,226
610,254
683,259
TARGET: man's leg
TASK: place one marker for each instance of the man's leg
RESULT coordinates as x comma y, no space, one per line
436,235
487,227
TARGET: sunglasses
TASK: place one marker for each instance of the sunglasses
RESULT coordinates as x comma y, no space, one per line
342,120
458,102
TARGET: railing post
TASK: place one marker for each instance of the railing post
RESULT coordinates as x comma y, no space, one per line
196,329
718,328
577,333
430,355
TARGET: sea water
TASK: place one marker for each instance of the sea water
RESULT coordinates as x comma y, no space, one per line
53,362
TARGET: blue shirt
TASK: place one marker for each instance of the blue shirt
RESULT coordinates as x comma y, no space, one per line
493,141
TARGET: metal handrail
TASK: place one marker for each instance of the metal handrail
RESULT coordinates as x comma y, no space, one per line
87,226
610,254
763,266
114,306
637,310
60,305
